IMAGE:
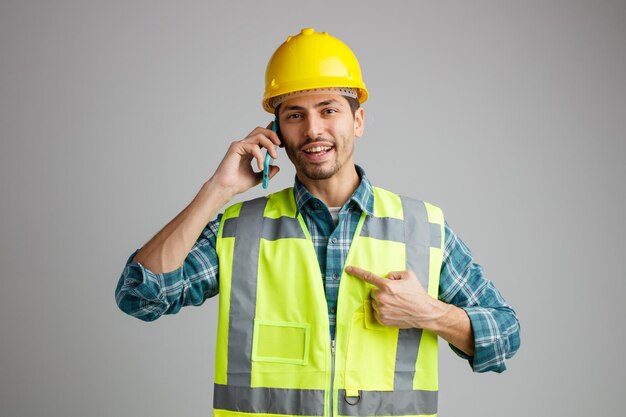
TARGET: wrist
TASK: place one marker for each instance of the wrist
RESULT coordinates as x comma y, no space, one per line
438,317
212,190
209,200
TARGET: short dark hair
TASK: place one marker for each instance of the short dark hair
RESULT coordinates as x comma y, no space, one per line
353,102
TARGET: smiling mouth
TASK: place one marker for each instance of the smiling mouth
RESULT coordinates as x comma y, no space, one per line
318,150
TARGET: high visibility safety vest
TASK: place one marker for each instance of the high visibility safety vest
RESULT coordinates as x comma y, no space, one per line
274,355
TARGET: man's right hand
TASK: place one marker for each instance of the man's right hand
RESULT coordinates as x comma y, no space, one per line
235,174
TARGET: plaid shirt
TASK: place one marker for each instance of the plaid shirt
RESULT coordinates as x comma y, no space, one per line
147,295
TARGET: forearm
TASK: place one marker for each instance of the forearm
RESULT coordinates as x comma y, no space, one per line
453,325
167,250
494,325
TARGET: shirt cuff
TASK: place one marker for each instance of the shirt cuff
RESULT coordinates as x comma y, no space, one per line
489,345
152,286
143,293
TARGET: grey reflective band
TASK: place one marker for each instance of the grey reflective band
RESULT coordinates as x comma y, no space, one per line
417,238
435,235
297,402
272,229
406,358
389,403
383,228
417,242
243,291
281,228
230,227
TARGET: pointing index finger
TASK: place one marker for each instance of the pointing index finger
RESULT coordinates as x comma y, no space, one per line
366,276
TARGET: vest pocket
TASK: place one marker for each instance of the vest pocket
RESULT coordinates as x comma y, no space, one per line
280,342
371,322
371,352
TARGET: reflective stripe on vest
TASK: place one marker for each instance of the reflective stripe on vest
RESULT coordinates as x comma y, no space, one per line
254,375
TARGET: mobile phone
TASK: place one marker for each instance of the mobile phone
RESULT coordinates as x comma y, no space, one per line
268,158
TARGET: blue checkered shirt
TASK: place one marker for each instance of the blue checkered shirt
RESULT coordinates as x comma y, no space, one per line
147,295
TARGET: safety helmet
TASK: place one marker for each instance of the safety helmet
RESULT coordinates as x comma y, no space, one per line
311,61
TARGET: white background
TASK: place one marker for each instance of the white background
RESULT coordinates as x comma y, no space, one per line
509,115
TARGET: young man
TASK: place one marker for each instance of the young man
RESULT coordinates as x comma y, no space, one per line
291,340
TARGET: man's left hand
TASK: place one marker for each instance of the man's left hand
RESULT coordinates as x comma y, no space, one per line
400,300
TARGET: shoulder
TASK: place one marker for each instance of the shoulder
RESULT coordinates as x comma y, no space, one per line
385,201
282,200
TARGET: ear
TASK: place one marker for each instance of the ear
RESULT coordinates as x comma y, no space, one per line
359,126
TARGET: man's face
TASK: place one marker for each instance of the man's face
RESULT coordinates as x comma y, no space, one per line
318,134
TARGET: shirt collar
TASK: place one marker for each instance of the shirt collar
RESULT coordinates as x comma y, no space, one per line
363,196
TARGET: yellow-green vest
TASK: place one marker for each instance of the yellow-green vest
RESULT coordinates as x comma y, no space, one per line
274,355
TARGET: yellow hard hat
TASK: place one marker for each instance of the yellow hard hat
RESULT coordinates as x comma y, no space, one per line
312,60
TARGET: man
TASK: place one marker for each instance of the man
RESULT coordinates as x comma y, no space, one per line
291,340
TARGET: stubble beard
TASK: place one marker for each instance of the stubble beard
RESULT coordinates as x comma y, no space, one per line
319,172
314,171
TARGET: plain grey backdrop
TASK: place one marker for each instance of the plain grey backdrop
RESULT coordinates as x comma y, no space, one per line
509,115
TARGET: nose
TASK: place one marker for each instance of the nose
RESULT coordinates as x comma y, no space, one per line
314,126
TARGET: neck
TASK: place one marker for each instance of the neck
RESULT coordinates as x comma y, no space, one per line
333,191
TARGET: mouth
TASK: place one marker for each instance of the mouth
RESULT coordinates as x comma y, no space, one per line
317,151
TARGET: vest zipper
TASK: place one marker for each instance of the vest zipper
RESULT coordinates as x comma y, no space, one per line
332,376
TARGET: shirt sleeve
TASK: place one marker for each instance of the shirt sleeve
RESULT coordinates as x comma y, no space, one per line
147,295
495,324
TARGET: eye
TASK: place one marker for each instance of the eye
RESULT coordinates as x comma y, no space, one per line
329,110
294,116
